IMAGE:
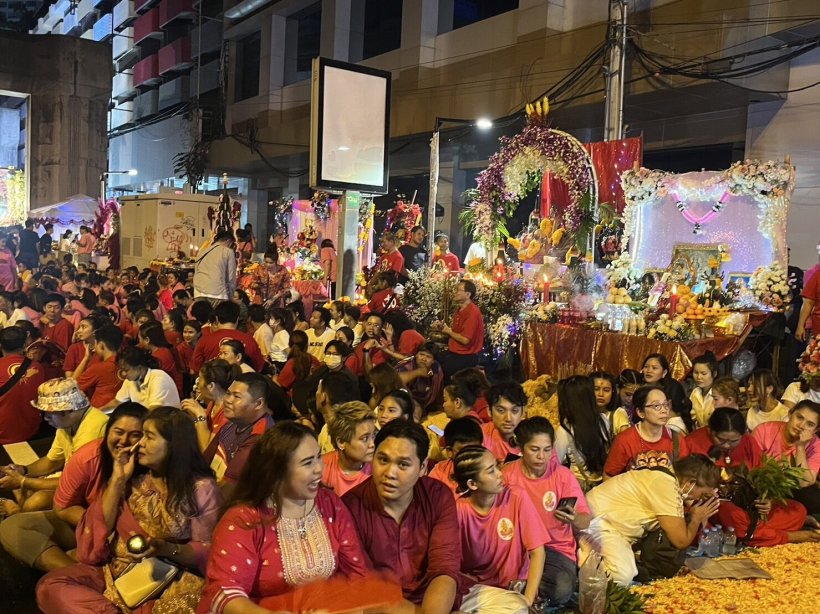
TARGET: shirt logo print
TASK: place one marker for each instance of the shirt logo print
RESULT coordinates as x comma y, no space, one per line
549,500
505,529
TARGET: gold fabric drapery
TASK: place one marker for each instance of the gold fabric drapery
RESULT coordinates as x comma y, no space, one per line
561,350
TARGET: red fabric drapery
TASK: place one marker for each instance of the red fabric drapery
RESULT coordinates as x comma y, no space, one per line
610,159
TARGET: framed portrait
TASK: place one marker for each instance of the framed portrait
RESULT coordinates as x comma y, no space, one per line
690,261
735,279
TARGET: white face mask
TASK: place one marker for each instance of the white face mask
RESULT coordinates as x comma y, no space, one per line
333,361
685,496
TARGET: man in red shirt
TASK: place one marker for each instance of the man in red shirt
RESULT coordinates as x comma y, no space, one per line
391,258
466,333
19,421
444,254
227,318
245,406
810,312
383,297
407,523
369,352
100,380
54,326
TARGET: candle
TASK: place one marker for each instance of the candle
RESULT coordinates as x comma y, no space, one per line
546,289
673,302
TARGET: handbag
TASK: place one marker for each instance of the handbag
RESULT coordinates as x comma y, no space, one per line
145,580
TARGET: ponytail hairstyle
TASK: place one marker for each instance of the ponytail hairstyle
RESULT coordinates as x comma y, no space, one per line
299,354
579,416
762,379
220,373
727,419
466,465
153,333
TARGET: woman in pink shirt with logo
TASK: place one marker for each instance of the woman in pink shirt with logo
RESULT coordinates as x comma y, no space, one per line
797,439
559,501
502,539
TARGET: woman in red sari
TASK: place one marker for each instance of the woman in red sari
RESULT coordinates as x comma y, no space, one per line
288,544
161,489
725,439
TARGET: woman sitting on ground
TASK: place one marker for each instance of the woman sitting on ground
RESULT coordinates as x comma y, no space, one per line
764,406
286,543
502,537
215,377
704,372
353,432
161,490
656,370
725,440
650,443
422,375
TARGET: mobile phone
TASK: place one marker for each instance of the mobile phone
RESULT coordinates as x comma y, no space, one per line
435,430
567,504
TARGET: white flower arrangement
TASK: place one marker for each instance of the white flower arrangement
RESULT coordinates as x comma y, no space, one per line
544,312
667,328
770,285
621,269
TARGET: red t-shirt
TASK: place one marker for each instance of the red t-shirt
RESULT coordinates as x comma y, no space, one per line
186,355
100,381
208,347
747,452
409,342
168,363
496,444
470,323
450,260
61,333
74,356
19,421
377,357
392,261
81,481
811,291
333,476
629,451
381,300
496,546
172,337
443,471
287,376
481,410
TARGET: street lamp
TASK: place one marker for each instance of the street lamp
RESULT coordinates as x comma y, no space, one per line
482,124
104,177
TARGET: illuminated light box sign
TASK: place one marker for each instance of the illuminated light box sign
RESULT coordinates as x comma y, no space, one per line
349,128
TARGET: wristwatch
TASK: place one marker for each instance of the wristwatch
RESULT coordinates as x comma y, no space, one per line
200,419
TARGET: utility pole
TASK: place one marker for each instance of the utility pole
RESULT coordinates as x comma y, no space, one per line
616,73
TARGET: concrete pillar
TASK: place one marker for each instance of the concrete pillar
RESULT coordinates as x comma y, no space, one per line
336,22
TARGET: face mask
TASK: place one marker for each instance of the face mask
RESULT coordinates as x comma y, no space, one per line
333,362
685,495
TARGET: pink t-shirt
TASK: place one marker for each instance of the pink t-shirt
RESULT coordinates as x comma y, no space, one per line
333,476
545,493
769,436
328,254
496,444
442,472
494,548
80,482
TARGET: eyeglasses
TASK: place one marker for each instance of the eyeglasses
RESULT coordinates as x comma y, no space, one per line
659,405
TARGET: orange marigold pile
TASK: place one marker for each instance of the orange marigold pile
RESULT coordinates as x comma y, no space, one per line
793,587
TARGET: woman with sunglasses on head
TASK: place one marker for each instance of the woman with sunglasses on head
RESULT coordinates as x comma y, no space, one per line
725,440
161,490
650,443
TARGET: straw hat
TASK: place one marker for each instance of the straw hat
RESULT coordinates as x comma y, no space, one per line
60,394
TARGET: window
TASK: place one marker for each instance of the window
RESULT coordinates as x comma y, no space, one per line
248,52
309,32
382,27
456,14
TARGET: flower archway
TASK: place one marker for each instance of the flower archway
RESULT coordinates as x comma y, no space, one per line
517,169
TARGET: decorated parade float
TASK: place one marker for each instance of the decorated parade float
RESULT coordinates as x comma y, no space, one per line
671,263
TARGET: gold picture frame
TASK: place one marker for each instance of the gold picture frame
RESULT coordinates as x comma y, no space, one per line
690,260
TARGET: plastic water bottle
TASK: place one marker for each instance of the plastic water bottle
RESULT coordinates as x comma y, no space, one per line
729,542
713,544
703,542
719,537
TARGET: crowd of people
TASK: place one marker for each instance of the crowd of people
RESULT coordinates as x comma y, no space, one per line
213,454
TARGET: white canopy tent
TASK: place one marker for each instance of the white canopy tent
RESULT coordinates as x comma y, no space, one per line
70,213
